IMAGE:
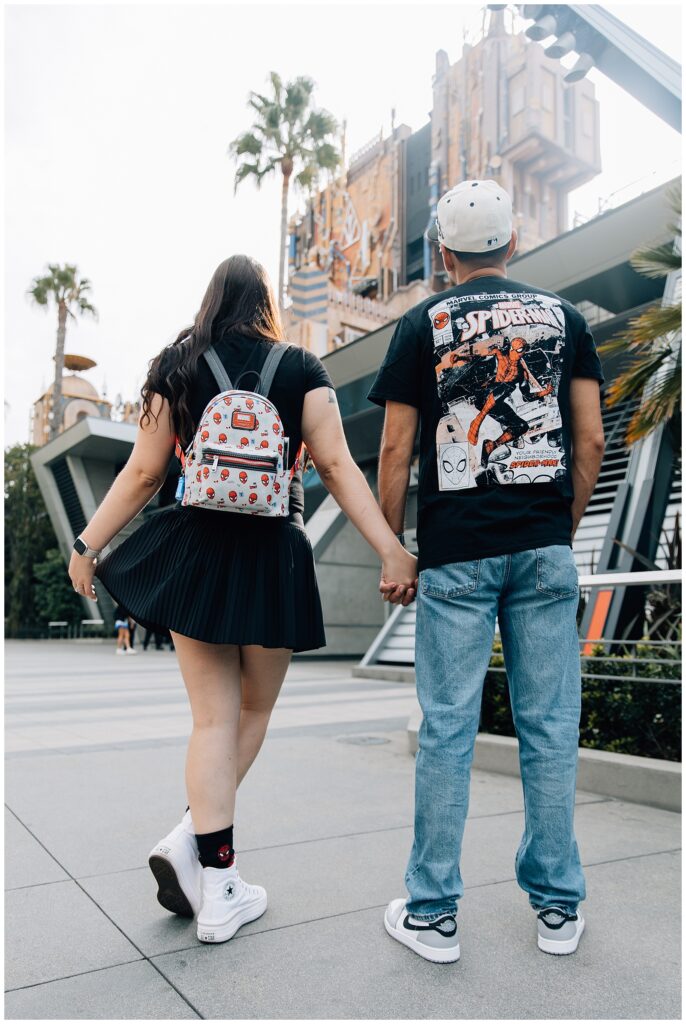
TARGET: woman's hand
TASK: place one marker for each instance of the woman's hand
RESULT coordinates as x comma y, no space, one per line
399,577
81,572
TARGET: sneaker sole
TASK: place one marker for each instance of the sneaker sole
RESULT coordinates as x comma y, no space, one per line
435,956
224,932
561,948
169,893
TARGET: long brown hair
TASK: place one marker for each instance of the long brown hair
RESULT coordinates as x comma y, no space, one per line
239,298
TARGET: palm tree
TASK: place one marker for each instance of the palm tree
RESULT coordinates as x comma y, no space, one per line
653,340
288,133
63,286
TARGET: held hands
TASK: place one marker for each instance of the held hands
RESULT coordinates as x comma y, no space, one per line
81,571
399,577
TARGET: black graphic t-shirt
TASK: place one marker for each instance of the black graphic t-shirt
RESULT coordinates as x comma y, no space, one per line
298,372
489,364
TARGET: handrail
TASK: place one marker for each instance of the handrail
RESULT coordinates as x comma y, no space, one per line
631,579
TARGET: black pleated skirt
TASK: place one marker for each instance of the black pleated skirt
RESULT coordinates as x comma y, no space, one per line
219,577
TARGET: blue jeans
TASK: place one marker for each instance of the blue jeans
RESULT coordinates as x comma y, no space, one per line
534,595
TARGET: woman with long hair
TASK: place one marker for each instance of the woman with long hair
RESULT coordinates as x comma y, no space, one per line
237,591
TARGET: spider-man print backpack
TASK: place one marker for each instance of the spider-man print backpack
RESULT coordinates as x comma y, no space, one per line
238,459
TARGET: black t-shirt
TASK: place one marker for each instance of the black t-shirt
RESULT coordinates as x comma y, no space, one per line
298,372
489,364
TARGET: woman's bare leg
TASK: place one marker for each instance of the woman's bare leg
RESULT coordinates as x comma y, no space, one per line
212,674
262,673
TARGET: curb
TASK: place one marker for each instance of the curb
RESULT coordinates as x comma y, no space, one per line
638,780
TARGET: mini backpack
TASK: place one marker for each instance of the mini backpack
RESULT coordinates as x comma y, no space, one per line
238,458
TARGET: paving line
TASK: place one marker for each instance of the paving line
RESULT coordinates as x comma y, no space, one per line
95,903
381,906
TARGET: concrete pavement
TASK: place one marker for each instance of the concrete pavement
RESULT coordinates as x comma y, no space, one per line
94,776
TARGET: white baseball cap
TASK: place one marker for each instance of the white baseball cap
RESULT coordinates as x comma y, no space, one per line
474,216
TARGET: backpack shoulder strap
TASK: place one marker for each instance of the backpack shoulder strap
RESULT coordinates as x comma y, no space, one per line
268,371
218,372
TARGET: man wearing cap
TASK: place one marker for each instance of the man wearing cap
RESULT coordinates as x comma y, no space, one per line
503,380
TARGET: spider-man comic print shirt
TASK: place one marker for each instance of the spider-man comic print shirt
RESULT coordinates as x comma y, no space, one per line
488,365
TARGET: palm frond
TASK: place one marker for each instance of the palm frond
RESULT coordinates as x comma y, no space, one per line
248,142
657,260
643,331
320,124
662,405
636,377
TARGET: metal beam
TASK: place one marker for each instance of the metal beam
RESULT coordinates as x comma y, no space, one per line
630,60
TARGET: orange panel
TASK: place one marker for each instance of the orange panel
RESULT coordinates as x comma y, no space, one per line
598,619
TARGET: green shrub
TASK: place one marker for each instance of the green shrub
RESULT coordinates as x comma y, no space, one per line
626,716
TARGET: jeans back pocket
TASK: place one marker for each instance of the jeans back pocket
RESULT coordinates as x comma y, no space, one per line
556,572
449,581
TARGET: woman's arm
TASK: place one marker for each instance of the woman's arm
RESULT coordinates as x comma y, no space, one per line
323,434
138,482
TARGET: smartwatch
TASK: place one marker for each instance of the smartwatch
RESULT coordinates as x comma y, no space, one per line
81,548
401,538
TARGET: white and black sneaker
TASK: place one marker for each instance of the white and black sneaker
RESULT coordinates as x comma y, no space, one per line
559,931
436,941
177,870
227,903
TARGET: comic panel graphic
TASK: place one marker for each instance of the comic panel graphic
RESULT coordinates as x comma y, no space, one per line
498,363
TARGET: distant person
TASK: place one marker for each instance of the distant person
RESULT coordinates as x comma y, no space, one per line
122,625
237,591
503,379
151,634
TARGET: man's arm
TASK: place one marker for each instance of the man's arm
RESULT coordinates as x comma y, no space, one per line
588,442
397,444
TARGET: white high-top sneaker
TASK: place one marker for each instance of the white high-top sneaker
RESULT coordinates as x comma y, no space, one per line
177,870
227,903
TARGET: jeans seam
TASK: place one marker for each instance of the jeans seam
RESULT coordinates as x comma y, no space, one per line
507,571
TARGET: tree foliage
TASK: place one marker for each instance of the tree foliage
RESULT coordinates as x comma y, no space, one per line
62,285
55,599
288,134
653,343
29,536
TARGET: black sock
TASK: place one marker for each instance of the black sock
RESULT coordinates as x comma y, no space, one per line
216,848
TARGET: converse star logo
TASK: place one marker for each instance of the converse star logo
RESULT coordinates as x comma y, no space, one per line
228,892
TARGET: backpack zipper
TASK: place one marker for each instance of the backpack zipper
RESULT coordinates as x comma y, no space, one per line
243,461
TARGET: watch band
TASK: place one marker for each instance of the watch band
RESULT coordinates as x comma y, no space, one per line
81,548
401,538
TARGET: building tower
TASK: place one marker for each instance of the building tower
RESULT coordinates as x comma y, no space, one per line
80,398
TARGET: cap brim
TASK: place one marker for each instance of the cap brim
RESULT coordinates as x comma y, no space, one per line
432,232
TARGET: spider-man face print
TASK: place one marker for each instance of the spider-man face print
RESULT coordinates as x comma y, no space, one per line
232,496
265,479
276,428
264,444
227,401
224,474
249,402
222,438
277,486
244,442
252,498
280,449
206,472
210,492
243,476
205,434
217,417
198,475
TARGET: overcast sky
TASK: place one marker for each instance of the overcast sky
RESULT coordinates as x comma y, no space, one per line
117,125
